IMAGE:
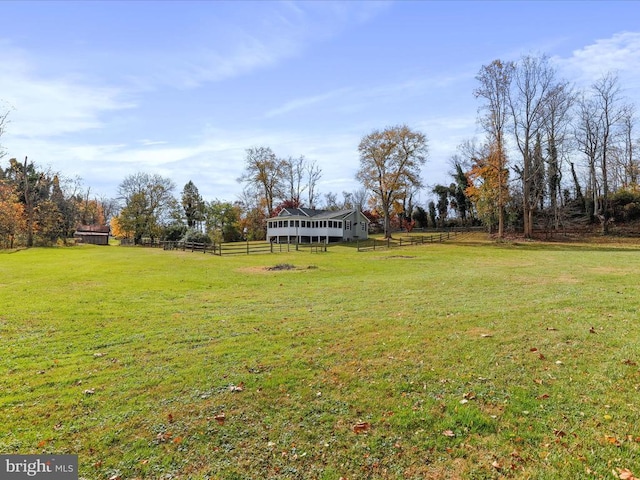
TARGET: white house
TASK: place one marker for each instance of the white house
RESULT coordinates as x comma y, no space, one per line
304,225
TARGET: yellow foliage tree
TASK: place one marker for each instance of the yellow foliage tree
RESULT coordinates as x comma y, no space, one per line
488,186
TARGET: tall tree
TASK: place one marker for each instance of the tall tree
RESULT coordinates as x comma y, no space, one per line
263,174
631,162
4,120
390,162
460,200
587,134
488,186
192,204
293,178
222,221
532,81
148,203
314,173
11,214
558,104
442,193
608,100
495,82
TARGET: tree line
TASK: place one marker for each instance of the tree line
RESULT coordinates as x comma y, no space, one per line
551,157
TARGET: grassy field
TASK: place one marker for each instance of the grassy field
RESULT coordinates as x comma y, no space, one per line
462,360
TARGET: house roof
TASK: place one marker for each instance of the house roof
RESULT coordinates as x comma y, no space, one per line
316,214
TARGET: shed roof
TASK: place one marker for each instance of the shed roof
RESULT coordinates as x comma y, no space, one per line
93,230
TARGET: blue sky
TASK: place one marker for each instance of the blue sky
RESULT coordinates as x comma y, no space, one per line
101,90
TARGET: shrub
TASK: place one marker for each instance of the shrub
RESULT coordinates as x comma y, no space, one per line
196,237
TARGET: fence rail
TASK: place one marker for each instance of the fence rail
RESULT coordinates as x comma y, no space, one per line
232,248
248,248
436,237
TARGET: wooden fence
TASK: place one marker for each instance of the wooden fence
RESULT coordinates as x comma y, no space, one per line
436,237
248,248
233,248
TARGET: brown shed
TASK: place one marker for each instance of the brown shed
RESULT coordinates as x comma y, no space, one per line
92,234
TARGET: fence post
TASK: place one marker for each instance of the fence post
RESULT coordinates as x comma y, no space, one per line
247,246
388,242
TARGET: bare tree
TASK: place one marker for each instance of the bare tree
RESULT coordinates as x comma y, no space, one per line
314,173
631,164
390,162
495,81
587,134
360,198
532,81
611,113
293,178
4,120
557,104
263,173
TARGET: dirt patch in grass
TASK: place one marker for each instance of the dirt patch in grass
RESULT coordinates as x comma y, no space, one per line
401,256
281,267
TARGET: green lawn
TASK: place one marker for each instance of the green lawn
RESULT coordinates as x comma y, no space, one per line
459,360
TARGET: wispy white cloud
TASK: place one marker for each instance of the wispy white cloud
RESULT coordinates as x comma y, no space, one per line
618,53
301,103
285,30
51,106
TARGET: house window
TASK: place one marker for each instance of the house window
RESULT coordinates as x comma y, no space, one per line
279,223
297,223
363,226
347,225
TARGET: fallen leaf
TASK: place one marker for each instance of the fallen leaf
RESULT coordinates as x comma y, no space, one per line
448,433
559,433
544,396
170,418
486,335
237,388
626,474
592,330
533,349
495,464
89,391
220,418
98,354
552,329
361,427
629,362
612,440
